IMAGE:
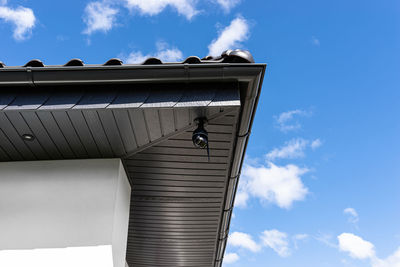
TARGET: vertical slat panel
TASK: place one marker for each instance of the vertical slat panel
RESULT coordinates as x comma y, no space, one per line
195,113
97,131
101,99
28,101
3,155
68,130
9,148
167,121
125,129
22,128
41,134
153,123
192,97
5,99
181,117
112,132
15,137
80,126
211,111
130,98
226,97
139,125
56,135
62,100
163,97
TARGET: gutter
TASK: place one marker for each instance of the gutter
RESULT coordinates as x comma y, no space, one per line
242,138
98,74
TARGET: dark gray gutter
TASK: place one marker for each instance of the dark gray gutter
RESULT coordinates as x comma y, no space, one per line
242,138
56,75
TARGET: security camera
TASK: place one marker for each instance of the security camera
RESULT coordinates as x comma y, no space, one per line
200,135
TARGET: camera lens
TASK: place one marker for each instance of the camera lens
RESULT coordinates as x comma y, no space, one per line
200,141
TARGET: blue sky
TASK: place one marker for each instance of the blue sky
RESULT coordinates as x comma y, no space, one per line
321,182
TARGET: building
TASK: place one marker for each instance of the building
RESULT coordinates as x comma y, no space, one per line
102,155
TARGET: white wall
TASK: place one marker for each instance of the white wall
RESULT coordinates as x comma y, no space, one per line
68,203
91,256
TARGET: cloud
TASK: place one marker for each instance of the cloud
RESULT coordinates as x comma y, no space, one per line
22,18
292,149
326,239
357,247
186,8
99,16
227,5
230,258
277,241
285,121
230,37
361,249
391,261
353,215
273,239
164,52
315,41
241,198
243,240
280,185
299,237
316,144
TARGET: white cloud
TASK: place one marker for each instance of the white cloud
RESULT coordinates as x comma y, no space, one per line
23,19
227,5
241,198
315,41
164,52
300,236
316,144
99,16
361,249
281,185
356,246
292,149
243,240
230,258
353,215
391,261
297,238
136,57
273,239
154,7
230,37
285,121
277,241
326,239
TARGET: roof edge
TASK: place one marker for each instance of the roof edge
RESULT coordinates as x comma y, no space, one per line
242,138
128,74
227,56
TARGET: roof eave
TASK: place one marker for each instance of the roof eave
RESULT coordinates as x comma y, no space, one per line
242,137
43,76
